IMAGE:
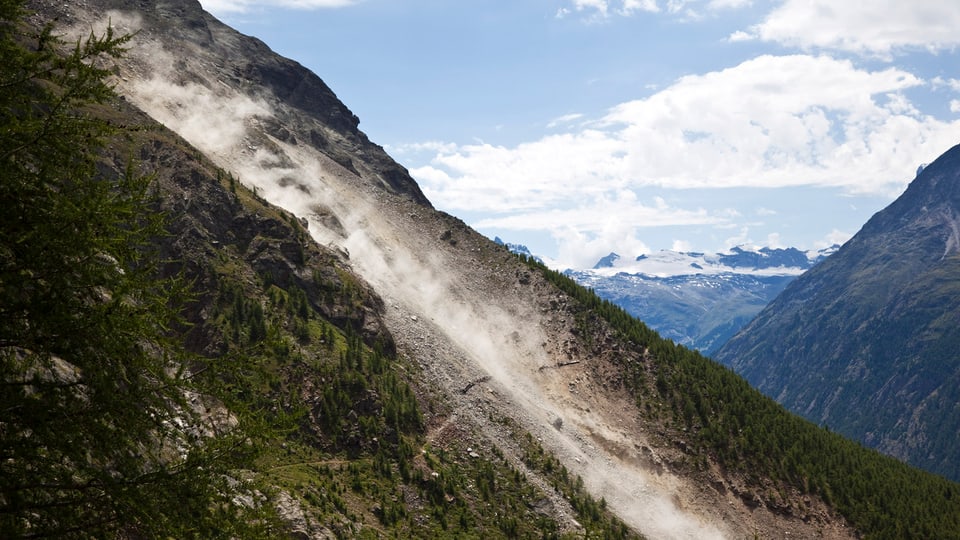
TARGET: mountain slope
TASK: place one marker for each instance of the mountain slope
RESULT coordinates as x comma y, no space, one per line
267,294
866,341
511,366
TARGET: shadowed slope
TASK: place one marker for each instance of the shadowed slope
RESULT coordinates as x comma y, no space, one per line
867,341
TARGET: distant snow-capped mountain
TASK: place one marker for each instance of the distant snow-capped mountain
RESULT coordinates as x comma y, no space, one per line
697,299
739,260
519,249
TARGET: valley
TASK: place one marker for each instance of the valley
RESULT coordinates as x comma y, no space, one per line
697,300
439,384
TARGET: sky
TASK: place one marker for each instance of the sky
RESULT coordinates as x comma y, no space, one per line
584,127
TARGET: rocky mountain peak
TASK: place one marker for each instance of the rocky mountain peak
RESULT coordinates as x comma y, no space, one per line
234,81
932,197
607,262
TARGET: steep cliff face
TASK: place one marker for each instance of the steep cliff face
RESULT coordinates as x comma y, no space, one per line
213,77
522,388
866,342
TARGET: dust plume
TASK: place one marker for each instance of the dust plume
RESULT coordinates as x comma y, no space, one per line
427,290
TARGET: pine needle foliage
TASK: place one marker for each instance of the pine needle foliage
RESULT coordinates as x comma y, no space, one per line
104,429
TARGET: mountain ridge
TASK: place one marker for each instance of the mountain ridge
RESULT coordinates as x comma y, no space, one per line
414,257
882,344
697,299
393,243
738,259
514,368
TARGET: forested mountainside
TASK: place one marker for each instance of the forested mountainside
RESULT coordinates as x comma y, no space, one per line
866,342
403,376
309,412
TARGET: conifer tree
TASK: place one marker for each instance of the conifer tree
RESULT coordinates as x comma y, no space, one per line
104,431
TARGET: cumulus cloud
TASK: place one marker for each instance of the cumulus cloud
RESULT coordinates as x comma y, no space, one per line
541,174
769,122
415,148
620,211
952,84
772,121
580,250
242,6
876,28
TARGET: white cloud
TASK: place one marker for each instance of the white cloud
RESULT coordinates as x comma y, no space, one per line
592,228
539,174
740,36
687,9
414,148
899,104
940,82
835,237
955,105
679,6
874,28
741,239
603,8
770,122
565,119
600,6
773,241
778,121
241,6
619,211
580,250
729,4
682,246
630,6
